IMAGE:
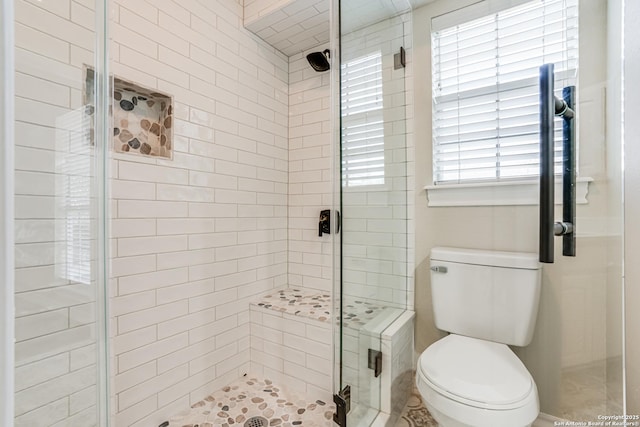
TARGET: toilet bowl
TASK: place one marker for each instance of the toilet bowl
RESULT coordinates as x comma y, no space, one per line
486,300
466,382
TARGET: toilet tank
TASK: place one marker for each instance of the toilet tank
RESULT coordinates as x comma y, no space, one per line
486,294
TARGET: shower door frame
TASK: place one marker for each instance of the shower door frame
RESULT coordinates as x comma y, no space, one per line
7,322
103,129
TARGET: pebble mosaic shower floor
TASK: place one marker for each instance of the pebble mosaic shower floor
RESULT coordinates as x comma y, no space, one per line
238,402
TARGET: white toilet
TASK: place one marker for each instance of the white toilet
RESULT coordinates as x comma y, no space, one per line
485,300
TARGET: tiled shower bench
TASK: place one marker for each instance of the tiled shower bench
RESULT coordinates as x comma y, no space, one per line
291,341
291,338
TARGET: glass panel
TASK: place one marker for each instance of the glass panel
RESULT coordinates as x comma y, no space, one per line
630,111
575,356
59,277
6,214
375,273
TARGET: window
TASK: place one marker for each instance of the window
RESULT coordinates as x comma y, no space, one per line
485,89
362,122
73,196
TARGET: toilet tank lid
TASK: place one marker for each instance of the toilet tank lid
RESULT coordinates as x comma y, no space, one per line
524,260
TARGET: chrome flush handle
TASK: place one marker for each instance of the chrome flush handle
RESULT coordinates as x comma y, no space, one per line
439,269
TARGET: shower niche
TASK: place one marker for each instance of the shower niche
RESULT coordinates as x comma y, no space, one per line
142,117
142,120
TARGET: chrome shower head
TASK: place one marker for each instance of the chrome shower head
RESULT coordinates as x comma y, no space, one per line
319,60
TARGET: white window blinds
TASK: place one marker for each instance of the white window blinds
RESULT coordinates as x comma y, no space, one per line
485,89
74,157
362,122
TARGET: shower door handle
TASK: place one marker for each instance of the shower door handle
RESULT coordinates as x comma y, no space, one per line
551,106
568,224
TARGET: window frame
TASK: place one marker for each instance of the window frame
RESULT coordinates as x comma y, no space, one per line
487,193
486,161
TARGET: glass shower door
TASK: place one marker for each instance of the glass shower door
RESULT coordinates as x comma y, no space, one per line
374,251
60,288
476,96
482,171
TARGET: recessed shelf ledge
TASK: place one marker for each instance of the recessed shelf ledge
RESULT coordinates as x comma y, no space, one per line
506,193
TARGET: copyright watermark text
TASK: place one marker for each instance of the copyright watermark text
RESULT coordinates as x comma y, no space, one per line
605,421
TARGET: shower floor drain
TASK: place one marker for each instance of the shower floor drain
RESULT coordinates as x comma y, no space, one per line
256,422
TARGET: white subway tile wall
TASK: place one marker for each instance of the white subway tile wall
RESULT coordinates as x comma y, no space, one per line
55,293
310,188
195,239
292,350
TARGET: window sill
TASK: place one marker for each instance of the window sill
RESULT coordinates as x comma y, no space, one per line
508,193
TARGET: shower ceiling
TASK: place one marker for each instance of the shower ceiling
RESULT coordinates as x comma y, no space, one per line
291,27
296,26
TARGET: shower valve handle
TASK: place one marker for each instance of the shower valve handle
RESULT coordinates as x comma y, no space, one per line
324,223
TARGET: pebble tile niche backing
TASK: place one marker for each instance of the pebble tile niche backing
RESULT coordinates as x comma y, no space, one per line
142,120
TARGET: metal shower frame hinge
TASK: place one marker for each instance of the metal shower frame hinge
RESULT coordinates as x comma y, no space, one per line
400,59
343,406
375,361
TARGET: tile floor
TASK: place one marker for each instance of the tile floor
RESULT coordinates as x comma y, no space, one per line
238,402
589,391
251,397
586,392
415,414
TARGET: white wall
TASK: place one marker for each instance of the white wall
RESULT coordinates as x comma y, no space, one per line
309,174
195,238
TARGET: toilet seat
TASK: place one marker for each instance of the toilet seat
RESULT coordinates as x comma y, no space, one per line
461,400
477,373
450,412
